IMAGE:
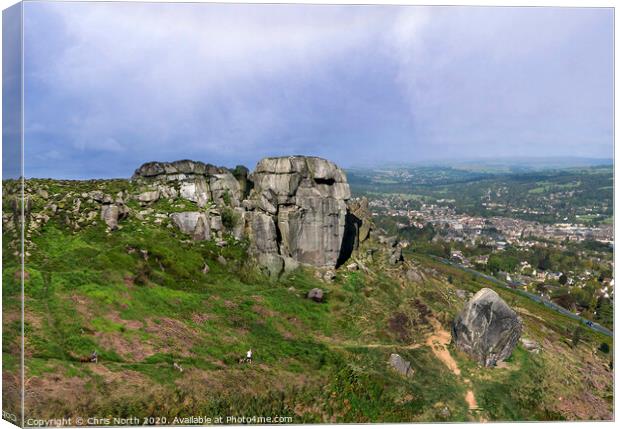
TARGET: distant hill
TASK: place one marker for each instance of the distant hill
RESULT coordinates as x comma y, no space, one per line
501,165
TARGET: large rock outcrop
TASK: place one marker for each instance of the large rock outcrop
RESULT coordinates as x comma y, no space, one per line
295,210
487,329
191,180
299,203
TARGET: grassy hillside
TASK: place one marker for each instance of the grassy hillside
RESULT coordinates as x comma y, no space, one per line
141,298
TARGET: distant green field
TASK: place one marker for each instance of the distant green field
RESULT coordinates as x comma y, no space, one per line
581,190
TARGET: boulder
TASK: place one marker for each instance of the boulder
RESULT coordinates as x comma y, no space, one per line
328,276
196,190
400,365
238,228
112,213
396,255
531,345
353,267
215,222
413,275
225,189
97,196
487,329
462,294
315,294
271,264
109,214
150,169
148,196
195,224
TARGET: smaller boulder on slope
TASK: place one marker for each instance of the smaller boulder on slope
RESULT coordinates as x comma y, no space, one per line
316,295
400,365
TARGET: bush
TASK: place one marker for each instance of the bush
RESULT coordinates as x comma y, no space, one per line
229,218
226,198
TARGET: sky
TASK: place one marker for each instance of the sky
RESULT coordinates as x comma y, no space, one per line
109,86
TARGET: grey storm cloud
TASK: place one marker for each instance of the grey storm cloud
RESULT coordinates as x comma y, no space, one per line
111,85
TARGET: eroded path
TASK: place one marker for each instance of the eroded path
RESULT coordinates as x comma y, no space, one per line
438,341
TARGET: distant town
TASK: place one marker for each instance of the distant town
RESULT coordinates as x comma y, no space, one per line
545,232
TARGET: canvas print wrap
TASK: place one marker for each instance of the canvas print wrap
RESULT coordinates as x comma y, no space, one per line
296,213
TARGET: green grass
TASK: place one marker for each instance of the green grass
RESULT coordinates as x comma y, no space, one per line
140,298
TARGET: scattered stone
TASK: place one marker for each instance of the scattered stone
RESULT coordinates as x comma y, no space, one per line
206,269
413,275
329,276
222,260
396,255
531,345
400,365
110,214
316,295
353,267
487,329
97,196
462,294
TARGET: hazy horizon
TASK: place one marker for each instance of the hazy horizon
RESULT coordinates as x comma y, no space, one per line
109,86
533,164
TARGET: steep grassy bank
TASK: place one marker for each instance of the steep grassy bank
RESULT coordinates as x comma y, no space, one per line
142,298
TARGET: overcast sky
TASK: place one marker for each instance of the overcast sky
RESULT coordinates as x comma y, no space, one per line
109,86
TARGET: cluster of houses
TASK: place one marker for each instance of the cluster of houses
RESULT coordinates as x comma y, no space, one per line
497,233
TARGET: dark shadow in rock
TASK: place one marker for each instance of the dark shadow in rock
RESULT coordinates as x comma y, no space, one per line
320,181
349,240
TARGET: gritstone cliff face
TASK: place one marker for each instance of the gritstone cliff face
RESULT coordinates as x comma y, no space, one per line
292,209
300,204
